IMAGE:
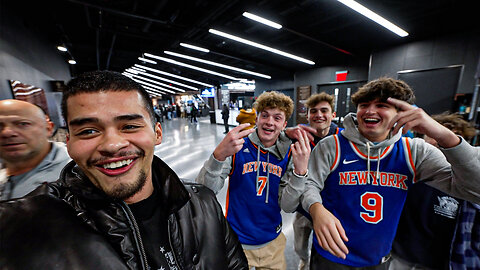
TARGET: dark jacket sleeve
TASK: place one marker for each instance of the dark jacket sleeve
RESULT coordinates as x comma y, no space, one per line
235,257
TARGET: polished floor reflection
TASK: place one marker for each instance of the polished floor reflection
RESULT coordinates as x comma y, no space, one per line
186,146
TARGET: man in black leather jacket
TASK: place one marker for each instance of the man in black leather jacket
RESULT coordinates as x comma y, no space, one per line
115,206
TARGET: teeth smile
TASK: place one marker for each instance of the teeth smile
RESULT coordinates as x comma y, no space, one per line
371,120
118,164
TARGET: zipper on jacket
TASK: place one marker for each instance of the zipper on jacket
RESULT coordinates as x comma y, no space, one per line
170,241
136,234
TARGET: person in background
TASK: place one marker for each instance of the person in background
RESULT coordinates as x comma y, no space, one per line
426,236
358,179
247,115
194,113
116,205
319,116
262,165
225,115
28,157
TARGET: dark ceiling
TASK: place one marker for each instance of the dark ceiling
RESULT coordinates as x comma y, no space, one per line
107,34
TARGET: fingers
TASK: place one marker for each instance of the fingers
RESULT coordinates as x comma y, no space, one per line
400,104
330,240
310,131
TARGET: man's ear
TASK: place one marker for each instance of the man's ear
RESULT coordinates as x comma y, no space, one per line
158,133
334,114
50,126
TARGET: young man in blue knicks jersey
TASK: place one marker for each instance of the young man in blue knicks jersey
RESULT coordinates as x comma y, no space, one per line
359,178
262,165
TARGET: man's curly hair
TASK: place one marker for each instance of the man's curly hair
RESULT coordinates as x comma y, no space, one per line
456,123
383,88
274,100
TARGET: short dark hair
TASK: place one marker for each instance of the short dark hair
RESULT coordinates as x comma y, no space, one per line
312,101
383,88
103,81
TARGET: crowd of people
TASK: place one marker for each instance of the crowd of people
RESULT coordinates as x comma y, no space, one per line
104,201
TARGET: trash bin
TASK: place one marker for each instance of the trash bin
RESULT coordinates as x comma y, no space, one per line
212,117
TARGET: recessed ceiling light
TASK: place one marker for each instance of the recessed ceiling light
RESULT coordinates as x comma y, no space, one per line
374,17
62,48
261,46
194,47
262,20
147,60
72,62
173,75
168,60
218,64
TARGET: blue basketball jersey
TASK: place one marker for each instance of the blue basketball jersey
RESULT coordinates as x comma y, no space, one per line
368,209
252,203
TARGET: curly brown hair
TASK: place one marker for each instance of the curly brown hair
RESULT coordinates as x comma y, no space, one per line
274,100
312,101
456,123
383,88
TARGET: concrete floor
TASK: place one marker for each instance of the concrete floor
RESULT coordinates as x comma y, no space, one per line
186,146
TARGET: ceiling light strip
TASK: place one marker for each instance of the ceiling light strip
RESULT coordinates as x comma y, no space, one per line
262,20
151,85
168,60
173,75
374,17
147,60
166,80
260,46
218,64
194,47
159,83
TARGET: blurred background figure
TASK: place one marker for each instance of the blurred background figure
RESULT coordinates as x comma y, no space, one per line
225,116
29,158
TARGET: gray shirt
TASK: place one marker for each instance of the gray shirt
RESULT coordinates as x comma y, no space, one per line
47,171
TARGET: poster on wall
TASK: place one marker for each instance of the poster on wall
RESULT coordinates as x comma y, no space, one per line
303,93
29,93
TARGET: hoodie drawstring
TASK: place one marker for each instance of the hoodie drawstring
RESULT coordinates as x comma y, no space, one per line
258,183
377,175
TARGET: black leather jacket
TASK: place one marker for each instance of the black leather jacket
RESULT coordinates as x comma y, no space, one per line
70,224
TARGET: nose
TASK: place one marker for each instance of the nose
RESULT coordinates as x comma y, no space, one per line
112,142
371,109
7,131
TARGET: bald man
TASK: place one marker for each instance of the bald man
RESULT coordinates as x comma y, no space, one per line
28,157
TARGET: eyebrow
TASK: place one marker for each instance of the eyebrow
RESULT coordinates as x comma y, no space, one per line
88,120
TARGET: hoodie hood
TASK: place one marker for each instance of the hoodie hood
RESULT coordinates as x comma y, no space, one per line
279,149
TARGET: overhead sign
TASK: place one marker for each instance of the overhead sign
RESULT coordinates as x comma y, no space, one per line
208,92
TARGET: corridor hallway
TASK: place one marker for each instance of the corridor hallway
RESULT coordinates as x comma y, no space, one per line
186,146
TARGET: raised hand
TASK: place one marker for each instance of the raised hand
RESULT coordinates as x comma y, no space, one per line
301,152
329,231
416,119
292,132
232,143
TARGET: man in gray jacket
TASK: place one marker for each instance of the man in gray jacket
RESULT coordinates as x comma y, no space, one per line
28,157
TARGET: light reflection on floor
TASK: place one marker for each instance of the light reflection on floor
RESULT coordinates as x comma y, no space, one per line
186,146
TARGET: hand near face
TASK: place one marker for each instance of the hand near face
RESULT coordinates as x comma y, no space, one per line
301,152
329,231
293,134
416,119
232,143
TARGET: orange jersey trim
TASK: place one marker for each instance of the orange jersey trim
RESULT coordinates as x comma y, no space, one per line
228,197
410,159
337,153
372,157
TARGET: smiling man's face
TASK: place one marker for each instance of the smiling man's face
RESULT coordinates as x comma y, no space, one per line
112,140
374,118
